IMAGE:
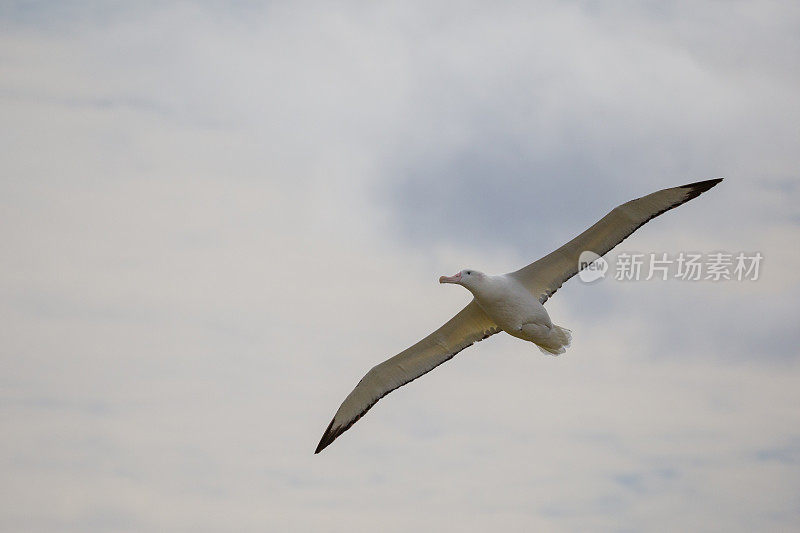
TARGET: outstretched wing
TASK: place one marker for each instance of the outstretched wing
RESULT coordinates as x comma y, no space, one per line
545,276
469,326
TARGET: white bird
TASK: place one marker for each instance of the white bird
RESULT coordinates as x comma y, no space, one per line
510,302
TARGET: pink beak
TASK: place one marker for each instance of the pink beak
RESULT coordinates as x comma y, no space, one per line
451,279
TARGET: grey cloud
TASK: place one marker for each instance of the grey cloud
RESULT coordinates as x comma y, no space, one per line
544,135
183,306
492,194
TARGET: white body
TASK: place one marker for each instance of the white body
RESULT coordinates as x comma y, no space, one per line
515,310
509,304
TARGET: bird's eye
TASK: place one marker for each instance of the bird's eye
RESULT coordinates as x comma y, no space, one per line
468,272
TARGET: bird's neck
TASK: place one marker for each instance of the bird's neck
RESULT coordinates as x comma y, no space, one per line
486,289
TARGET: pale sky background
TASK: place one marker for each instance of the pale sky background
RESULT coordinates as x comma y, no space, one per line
217,216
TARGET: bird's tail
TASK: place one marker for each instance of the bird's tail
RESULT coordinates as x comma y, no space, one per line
558,341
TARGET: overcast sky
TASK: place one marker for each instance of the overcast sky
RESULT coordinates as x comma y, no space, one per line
217,216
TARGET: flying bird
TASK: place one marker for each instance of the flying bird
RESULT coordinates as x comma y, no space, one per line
512,302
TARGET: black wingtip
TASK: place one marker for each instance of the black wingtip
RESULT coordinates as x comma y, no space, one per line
701,186
327,437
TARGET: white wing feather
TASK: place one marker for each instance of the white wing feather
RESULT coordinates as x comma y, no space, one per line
469,326
545,276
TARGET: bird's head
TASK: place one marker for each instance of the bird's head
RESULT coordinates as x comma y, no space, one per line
471,279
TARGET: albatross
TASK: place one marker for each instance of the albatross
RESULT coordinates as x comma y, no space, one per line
512,302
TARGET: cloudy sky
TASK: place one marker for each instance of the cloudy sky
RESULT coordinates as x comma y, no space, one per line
216,216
